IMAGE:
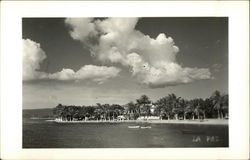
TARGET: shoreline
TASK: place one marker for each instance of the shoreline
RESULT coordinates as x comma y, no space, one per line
203,122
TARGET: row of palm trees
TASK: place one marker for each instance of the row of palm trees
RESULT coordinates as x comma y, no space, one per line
168,107
98,112
177,107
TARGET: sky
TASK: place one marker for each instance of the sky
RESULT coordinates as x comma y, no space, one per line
84,61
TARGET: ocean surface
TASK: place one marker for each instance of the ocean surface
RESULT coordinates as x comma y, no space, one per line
39,133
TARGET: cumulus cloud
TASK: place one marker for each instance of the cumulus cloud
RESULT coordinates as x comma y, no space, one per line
95,73
33,56
81,29
151,60
164,73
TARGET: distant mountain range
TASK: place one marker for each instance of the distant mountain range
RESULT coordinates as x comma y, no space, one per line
38,113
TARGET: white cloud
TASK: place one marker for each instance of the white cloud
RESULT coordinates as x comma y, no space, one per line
33,55
64,75
97,73
164,73
81,29
117,25
152,60
88,72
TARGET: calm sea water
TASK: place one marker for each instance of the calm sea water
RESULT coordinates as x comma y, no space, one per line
42,134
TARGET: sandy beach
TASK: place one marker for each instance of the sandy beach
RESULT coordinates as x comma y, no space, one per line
200,122
206,121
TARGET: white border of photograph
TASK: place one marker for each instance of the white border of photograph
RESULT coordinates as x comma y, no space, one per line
11,74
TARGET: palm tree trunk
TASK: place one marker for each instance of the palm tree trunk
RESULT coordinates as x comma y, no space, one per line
226,115
184,116
204,115
176,117
193,116
221,115
218,111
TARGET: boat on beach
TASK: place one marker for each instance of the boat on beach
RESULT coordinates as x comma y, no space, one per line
145,127
133,126
142,127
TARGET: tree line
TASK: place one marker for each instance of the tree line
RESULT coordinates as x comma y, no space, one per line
168,107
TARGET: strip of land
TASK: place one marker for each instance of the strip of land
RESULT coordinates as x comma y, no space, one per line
206,121
202,122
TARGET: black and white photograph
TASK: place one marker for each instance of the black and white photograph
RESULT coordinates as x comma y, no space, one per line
135,80
125,82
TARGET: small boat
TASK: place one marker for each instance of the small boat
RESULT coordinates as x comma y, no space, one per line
192,132
133,126
145,127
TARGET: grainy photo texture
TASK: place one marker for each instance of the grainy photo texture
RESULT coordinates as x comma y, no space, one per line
158,82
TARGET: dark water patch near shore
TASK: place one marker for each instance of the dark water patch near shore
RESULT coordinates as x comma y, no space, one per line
42,134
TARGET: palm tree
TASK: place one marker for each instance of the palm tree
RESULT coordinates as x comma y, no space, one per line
160,108
59,111
115,110
198,107
143,104
118,110
131,107
164,107
76,113
146,110
175,105
131,110
101,111
71,112
197,110
208,108
188,110
82,113
90,110
107,111
193,105
202,107
217,103
111,109
182,104
225,105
